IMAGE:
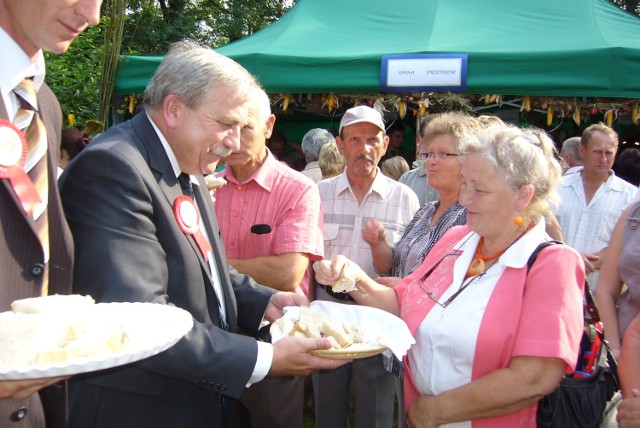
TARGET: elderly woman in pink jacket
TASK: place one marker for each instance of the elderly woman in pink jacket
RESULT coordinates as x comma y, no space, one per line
492,337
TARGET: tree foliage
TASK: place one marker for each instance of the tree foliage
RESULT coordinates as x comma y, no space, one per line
75,76
632,6
150,27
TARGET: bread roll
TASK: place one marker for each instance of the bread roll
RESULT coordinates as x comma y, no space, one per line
214,182
346,282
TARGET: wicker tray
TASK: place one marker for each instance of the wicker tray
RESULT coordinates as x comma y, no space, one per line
348,354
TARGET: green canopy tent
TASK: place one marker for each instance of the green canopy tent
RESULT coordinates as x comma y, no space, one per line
564,48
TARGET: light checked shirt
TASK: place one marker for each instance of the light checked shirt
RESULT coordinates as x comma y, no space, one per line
588,228
388,201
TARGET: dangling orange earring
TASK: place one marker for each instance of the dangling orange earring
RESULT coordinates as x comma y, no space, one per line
518,220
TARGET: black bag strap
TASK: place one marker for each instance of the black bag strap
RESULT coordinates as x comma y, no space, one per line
590,306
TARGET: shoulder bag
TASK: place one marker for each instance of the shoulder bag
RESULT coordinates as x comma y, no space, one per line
582,396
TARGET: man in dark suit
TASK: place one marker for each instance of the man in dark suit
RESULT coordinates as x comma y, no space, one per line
123,197
27,27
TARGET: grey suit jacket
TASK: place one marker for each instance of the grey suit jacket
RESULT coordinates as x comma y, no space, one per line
118,196
22,262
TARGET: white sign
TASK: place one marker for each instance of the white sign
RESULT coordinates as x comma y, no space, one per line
424,72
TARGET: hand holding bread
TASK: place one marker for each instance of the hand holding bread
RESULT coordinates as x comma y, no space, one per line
341,273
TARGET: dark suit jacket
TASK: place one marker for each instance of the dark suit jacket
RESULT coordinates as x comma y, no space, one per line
21,261
118,196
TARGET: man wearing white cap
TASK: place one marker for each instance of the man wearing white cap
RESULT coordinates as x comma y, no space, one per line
349,200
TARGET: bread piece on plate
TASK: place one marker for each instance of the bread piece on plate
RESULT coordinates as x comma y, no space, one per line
55,302
354,331
284,324
335,330
310,323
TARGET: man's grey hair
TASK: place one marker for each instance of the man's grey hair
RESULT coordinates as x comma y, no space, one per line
261,104
189,70
313,141
570,147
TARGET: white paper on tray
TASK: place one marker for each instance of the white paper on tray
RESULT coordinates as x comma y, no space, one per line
380,327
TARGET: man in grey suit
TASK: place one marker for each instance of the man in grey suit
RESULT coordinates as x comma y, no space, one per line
123,197
28,27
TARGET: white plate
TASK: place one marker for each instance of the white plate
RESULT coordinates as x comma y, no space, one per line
151,327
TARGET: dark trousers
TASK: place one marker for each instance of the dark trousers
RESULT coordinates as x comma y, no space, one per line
274,402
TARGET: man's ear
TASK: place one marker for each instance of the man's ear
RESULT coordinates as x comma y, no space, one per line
268,128
172,108
340,145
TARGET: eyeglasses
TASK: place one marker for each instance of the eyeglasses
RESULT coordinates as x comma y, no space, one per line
453,297
434,291
436,156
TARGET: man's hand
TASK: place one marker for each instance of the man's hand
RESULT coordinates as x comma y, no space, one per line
374,232
292,357
280,300
21,389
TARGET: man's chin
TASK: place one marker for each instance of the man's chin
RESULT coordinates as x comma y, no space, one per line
209,168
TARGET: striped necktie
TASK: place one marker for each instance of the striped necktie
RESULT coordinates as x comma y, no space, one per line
28,120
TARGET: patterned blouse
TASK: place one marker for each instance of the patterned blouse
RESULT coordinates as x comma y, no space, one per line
418,237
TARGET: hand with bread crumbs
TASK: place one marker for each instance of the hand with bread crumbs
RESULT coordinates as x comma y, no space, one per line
21,389
331,272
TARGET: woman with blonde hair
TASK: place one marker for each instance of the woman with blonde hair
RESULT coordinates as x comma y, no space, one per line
440,148
394,167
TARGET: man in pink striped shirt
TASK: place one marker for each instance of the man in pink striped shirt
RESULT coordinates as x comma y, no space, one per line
271,224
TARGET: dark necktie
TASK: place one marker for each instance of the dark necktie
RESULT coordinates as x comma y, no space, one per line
28,120
185,185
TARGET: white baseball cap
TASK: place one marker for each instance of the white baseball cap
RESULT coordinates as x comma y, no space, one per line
361,114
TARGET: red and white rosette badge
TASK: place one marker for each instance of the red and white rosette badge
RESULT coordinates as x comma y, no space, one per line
188,218
13,155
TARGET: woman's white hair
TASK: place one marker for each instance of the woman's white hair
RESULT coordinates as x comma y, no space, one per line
522,157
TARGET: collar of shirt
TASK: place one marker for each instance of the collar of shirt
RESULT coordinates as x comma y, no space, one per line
515,257
575,180
263,176
167,148
16,66
380,184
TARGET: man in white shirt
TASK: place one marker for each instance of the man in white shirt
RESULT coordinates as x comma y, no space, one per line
349,200
593,199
